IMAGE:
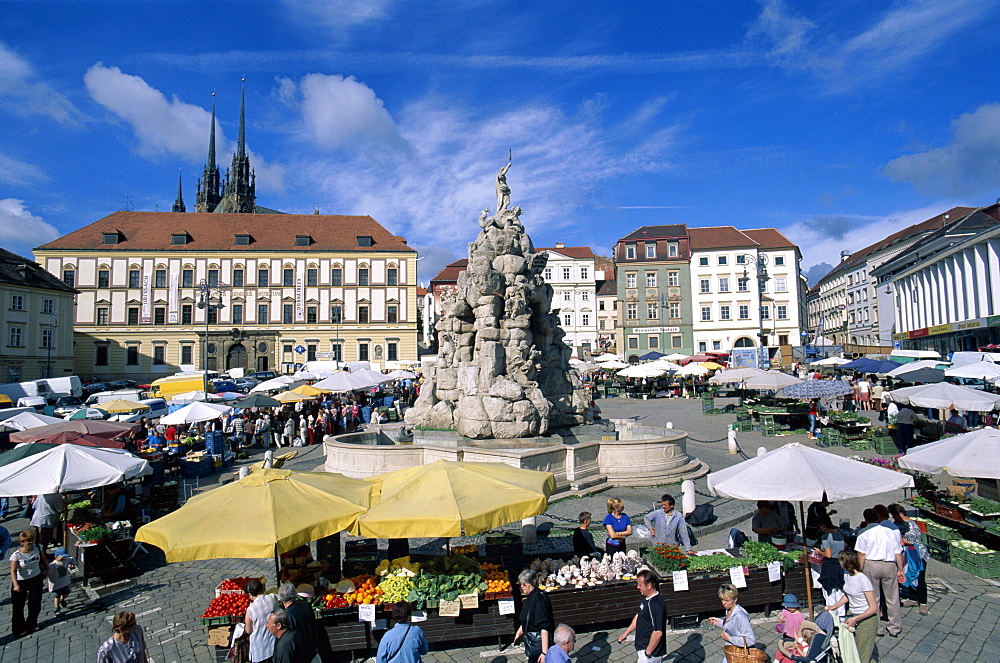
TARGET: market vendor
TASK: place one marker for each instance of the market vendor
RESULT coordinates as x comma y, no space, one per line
767,524
298,566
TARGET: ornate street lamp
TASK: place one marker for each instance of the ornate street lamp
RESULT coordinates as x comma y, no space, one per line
759,263
207,293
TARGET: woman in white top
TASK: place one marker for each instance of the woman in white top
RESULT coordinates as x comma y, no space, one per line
261,640
859,596
26,576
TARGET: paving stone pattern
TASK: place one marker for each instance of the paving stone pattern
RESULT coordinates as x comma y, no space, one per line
169,598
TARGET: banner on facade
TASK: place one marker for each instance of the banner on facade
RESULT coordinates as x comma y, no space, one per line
172,298
147,300
300,294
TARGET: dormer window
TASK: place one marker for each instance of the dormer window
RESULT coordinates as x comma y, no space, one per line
243,240
303,240
112,238
365,240
179,239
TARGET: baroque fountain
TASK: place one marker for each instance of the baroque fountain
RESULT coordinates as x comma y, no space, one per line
502,388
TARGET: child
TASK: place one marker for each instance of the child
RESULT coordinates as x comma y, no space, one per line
791,617
583,540
59,578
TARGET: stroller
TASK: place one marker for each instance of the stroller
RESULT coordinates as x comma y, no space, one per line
821,645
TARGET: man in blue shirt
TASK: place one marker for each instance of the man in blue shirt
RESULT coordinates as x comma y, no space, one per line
405,641
667,524
564,639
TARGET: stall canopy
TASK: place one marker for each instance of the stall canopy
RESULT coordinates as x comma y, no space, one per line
866,365
119,406
268,512
341,382
902,369
374,377
400,374
709,365
194,397
607,356
692,370
924,375
23,451
664,364
734,375
83,439
651,355
85,413
945,395
291,397
26,420
675,356
310,390
106,429
979,370
274,384
257,400
449,498
817,389
830,361
641,371
612,364
771,380
68,467
975,454
195,412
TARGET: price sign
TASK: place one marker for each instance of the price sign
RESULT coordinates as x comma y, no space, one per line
418,616
450,608
506,606
736,575
380,624
774,571
469,600
366,613
680,580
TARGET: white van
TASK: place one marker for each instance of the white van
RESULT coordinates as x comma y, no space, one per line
124,394
36,402
157,408
965,358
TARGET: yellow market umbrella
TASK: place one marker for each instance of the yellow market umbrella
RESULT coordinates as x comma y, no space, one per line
267,513
449,498
120,406
310,391
291,397
711,365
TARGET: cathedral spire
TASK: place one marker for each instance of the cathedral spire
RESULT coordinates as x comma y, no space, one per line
241,147
239,191
211,136
179,202
210,185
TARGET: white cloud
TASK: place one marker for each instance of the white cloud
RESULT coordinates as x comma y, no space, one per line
168,127
20,230
22,93
19,173
342,112
968,165
337,14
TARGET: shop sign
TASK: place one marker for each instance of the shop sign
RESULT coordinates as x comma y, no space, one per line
993,321
655,330
940,329
971,324
917,333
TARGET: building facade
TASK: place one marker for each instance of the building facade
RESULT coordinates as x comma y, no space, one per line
37,321
572,273
608,313
160,292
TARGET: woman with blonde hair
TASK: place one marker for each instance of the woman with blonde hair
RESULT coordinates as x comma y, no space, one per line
618,524
27,572
736,628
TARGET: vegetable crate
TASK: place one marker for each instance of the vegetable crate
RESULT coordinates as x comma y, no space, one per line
885,446
862,445
224,620
980,519
948,511
941,532
981,565
939,549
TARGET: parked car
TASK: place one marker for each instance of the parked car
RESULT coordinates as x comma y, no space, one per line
262,376
244,385
95,387
124,384
224,385
65,405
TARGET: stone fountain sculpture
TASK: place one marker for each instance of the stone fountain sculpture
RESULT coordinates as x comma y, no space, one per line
503,369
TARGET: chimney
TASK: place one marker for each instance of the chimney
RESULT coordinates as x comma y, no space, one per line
560,245
844,255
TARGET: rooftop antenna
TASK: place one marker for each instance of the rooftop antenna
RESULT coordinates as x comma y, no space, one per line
316,211
510,155
127,202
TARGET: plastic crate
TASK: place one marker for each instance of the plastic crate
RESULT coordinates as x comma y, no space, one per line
361,547
862,445
885,446
225,620
948,511
981,565
941,532
938,549
498,596
979,519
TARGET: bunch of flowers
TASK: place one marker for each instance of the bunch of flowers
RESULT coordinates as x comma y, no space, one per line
891,463
668,559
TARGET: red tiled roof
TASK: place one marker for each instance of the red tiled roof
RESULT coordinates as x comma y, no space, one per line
656,232
421,291
769,238
151,231
609,287
719,237
450,272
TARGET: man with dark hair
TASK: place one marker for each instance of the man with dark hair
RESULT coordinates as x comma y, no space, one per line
667,525
288,645
650,622
404,642
583,540
300,616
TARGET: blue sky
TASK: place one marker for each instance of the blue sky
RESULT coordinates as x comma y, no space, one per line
836,122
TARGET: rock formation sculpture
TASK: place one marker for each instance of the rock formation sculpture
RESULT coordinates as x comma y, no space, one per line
503,368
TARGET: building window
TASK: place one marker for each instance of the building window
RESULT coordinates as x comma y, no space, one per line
102,315
103,278
585,296
213,314
630,252
17,303
782,313
631,311
288,277
363,315
723,260
566,274
237,314
652,311
159,354
653,342
178,239
365,240
132,355
287,313
673,279
633,342
187,314
672,251
362,352
262,277
336,314
287,348
600,324
303,240
567,296
630,280
724,284
312,315
101,355
187,354
744,312
567,319
362,276
338,351
159,315
650,279
702,346
705,286
392,351
392,314
783,339
742,285
584,273
677,341
650,251
311,352
336,276
160,278
741,259
69,277
547,274
110,238
600,304
132,316
780,284
585,319
312,276
213,277
703,261
261,314
242,240
706,313
238,278
392,276
16,337
716,345
187,278
675,311
133,278
779,261
724,313
765,313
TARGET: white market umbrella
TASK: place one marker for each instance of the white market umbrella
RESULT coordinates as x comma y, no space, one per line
69,467
193,396
374,376
912,366
830,361
281,382
400,374
692,370
26,420
612,364
309,375
771,380
607,356
975,454
735,375
641,371
195,412
924,375
981,370
341,382
666,365
675,356
944,395
916,354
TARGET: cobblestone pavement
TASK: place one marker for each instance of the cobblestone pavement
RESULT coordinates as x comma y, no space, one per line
168,599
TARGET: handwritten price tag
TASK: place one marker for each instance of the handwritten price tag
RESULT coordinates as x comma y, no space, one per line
450,608
418,616
506,606
773,571
366,613
469,600
680,580
736,575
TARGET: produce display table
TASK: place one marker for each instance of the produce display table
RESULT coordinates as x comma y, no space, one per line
101,559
